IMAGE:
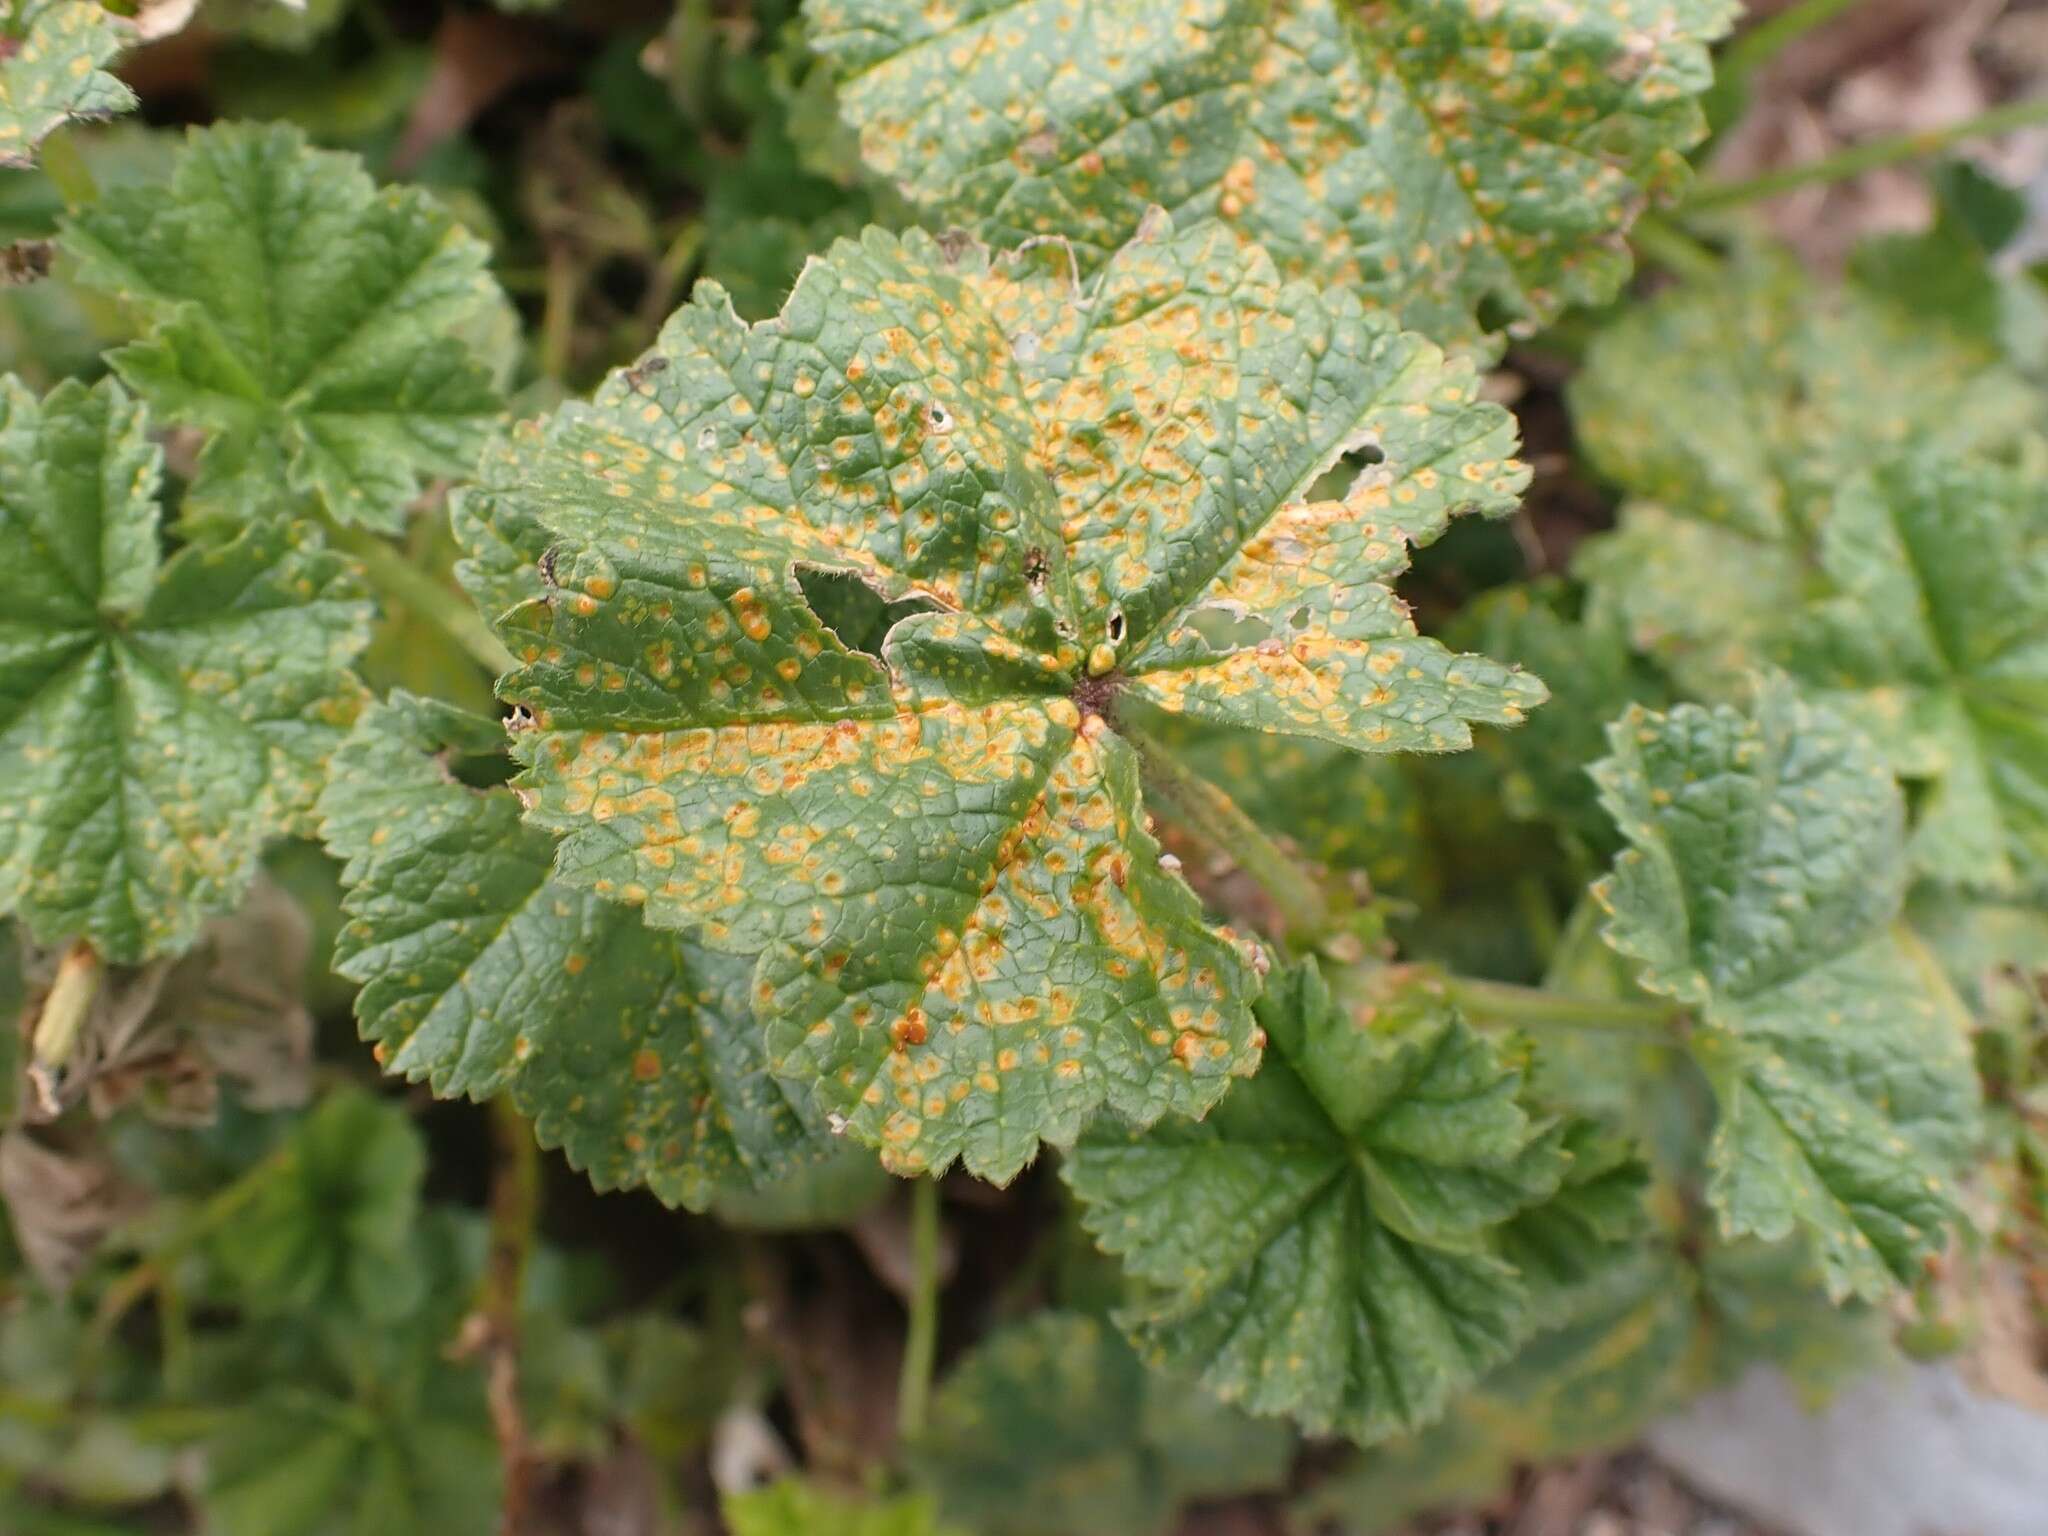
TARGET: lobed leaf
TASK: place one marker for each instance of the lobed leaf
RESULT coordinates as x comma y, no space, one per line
158,718
1937,638
53,55
320,328
1051,1427
1443,160
1328,1243
1056,496
1761,888
633,1050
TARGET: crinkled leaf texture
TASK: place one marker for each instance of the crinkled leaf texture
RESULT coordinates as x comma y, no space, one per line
1761,889
1938,641
1748,401
52,58
158,718
1330,1243
632,1049
1436,157
1068,493
1052,1427
324,330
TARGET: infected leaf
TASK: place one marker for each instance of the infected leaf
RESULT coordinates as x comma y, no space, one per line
158,718
1440,159
53,55
940,854
633,1050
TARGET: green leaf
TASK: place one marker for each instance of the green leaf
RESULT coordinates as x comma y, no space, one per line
1597,1380
1438,158
327,1226
795,1507
1051,1427
1938,642
940,851
631,1049
52,58
317,326
158,718
1328,1243
1761,889
1749,401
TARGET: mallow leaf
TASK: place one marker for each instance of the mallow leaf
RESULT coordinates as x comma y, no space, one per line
632,1049
1437,157
1052,1427
158,718
1328,1243
1937,638
1761,889
1057,495
53,58
327,332
1748,400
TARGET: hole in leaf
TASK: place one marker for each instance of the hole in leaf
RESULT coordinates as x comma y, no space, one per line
1117,626
854,611
1299,618
1365,455
1223,630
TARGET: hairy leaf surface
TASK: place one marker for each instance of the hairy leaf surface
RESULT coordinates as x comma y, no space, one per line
158,718
318,326
1435,157
1052,1427
632,1049
1327,1244
53,55
1761,888
1938,641
1059,494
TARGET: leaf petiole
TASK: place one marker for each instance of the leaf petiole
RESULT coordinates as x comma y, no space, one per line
400,581
1501,1002
920,1343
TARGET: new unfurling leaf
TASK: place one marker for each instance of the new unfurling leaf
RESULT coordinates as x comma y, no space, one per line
1434,157
1055,494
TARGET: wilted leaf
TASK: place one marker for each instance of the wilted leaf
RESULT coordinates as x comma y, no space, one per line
61,1203
1761,890
940,852
321,328
52,58
162,1035
633,1050
1938,642
158,718
1438,158
1051,1427
1328,1243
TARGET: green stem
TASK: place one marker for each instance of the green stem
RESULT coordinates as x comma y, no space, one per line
1868,156
564,291
1209,812
1500,1002
67,170
515,1218
1763,42
400,581
920,1344
1665,244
